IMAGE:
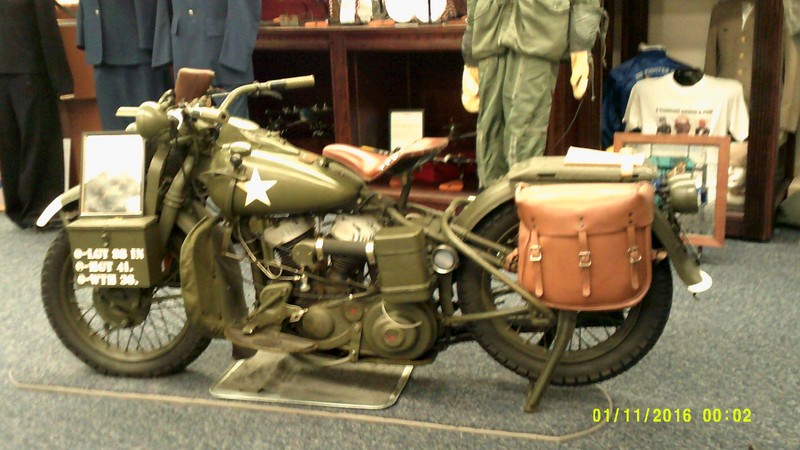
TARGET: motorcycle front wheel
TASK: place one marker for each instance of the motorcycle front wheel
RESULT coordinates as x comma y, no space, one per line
603,345
123,332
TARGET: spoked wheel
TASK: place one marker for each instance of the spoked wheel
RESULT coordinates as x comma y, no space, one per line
603,345
127,332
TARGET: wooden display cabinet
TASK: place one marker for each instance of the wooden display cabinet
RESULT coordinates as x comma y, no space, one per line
373,70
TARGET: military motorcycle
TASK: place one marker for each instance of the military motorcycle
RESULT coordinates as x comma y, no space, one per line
246,237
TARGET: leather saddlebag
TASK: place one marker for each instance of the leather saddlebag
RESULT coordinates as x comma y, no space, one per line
585,247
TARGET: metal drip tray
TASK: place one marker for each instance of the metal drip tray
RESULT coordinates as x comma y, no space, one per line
301,380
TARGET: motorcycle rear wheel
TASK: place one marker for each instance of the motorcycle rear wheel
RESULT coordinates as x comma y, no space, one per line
160,343
603,345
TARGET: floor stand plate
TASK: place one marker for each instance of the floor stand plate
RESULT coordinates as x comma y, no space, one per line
301,380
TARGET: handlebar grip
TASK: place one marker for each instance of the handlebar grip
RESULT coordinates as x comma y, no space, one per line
127,111
212,114
291,83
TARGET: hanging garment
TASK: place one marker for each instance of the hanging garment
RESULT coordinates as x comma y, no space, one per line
713,106
118,40
617,87
518,46
219,35
33,73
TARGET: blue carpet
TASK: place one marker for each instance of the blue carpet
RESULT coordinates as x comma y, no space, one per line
733,348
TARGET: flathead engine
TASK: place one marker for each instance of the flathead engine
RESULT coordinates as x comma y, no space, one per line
348,304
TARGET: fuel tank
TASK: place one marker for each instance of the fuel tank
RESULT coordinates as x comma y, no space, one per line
254,172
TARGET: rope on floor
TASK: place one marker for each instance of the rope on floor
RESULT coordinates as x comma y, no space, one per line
194,401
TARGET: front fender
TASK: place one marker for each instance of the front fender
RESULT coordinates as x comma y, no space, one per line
70,196
211,282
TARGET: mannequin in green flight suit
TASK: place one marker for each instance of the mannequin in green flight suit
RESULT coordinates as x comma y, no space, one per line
517,46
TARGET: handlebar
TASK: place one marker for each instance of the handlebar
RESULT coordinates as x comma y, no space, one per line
305,81
258,88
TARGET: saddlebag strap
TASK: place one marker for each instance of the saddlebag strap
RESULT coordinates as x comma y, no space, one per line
584,262
635,256
511,262
535,256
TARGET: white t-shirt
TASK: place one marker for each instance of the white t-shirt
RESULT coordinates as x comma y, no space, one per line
712,107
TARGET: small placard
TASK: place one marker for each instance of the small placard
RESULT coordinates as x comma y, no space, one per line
115,251
112,174
405,127
107,266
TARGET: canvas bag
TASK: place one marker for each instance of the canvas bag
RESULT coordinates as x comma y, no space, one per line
585,247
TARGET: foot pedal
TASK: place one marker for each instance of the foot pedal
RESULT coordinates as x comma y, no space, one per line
270,340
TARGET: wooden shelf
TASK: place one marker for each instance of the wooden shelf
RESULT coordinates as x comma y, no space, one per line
373,70
365,72
345,47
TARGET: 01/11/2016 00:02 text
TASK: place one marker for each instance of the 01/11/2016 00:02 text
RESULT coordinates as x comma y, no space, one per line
670,415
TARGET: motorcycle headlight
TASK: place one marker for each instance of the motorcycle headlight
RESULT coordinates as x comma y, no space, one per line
683,194
151,120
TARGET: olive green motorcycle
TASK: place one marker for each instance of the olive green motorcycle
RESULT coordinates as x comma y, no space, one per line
243,236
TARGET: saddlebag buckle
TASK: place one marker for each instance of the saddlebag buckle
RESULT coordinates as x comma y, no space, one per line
535,253
585,259
634,254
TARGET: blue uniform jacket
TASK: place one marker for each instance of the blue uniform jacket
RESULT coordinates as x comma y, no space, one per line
620,81
209,34
105,32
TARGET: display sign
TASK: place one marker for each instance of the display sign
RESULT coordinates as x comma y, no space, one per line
115,251
112,174
405,127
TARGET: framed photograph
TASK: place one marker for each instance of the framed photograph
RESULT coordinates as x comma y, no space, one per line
112,174
405,127
705,158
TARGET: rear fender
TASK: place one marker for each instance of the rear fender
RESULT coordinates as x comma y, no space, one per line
484,203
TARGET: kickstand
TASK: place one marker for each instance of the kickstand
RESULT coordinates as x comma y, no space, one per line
564,330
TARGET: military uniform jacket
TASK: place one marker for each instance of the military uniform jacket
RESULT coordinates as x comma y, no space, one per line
729,54
548,29
104,38
791,10
30,42
208,34
729,51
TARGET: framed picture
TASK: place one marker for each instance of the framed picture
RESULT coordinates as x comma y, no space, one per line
405,127
112,174
705,158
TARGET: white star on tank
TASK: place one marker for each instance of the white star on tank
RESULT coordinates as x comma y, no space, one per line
256,189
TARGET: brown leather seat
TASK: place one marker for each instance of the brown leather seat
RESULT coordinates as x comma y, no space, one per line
192,84
370,165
